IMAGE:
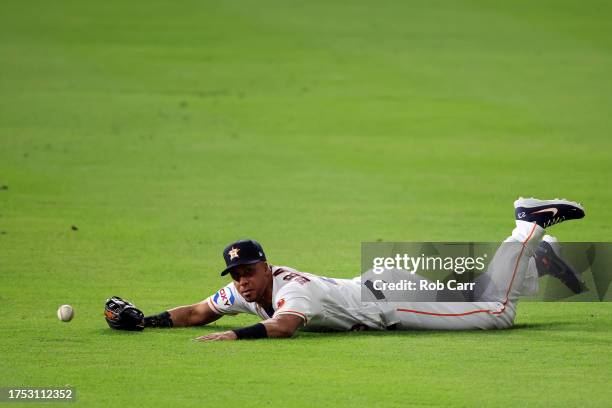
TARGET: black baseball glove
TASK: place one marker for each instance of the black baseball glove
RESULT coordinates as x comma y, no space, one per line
122,315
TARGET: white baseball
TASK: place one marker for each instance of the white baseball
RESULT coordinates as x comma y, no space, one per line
65,313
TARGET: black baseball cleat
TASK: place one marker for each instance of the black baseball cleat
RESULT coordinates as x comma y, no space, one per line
549,262
546,213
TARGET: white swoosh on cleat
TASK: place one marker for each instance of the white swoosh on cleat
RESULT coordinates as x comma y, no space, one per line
553,210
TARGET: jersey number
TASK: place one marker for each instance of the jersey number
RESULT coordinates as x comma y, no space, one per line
296,277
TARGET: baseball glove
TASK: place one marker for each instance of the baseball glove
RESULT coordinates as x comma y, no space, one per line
123,315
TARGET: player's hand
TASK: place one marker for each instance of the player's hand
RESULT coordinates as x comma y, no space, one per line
227,335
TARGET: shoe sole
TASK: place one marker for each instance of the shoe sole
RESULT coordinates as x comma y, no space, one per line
534,202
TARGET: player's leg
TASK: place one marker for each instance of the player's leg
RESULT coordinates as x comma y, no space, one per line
505,276
494,309
507,270
548,260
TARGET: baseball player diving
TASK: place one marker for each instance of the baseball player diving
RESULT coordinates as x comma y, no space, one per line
288,300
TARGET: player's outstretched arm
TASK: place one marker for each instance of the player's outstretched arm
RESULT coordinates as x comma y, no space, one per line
281,326
197,314
121,314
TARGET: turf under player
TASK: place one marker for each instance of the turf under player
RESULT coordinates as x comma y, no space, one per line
288,300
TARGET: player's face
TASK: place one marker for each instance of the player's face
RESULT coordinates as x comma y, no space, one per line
252,281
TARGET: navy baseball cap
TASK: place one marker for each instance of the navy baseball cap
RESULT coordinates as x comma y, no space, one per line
243,252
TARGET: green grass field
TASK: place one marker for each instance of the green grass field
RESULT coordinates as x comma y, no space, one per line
164,130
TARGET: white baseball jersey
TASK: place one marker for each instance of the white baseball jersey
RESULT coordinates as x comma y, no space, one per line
323,303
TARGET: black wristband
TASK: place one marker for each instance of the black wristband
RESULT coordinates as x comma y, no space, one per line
161,320
256,331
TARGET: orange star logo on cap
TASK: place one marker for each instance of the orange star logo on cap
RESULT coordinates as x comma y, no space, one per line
233,253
